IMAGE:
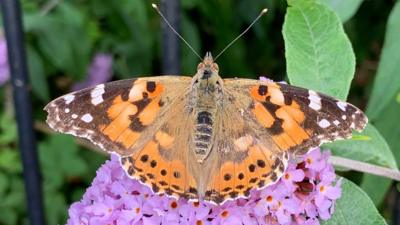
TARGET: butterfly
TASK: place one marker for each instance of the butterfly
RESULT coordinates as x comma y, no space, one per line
204,137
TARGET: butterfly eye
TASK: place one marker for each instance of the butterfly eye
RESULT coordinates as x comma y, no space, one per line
200,66
217,82
215,67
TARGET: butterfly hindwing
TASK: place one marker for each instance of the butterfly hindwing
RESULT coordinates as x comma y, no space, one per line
165,163
244,157
115,115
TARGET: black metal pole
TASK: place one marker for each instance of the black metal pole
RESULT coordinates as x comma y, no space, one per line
170,42
396,207
12,20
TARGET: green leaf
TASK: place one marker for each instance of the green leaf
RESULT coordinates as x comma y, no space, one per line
56,208
59,159
8,216
389,127
37,76
66,43
367,146
15,198
376,187
344,8
10,160
354,207
8,129
319,55
3,184
387,81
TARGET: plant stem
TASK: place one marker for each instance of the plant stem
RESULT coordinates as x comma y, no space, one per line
365,167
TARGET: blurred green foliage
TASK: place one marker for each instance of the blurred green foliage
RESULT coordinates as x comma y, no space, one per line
320,46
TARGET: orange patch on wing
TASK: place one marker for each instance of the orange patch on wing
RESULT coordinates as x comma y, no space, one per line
164,139
128,138
282,141
158,90
242,176
257,152
150,112
272,90
178,176
160,173
291,127
294,111
226,174
120,123
262,115
237,179
118,106
255,94
140,86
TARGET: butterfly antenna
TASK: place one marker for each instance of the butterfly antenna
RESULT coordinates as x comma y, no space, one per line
241,34
175,32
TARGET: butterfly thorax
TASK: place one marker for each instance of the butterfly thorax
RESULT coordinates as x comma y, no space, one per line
206,95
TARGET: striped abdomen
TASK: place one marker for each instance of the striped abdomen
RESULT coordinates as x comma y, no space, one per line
203,134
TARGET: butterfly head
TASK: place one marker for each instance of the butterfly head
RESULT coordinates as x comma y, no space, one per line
207,68
207,74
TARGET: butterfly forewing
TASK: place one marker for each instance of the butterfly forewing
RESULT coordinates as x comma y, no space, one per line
120,115
297,119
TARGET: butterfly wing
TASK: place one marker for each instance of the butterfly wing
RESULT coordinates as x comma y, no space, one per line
244,156
261,123
118,116
298,119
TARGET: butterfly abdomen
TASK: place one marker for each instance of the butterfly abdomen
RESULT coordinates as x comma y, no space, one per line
203,134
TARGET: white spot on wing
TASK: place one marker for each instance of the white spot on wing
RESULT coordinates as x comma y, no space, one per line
136,91
67,110
324,123
97,94
69,98
344,117
87,118
342,105
244,142
336,122
315,100
74,116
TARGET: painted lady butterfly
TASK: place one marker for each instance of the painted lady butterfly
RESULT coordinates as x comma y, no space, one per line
204,137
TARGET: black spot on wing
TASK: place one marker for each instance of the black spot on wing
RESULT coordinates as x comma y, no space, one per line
262,90
136,124
276,127
150,86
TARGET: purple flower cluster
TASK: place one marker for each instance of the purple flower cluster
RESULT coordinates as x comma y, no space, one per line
305,194
100,71
4,69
